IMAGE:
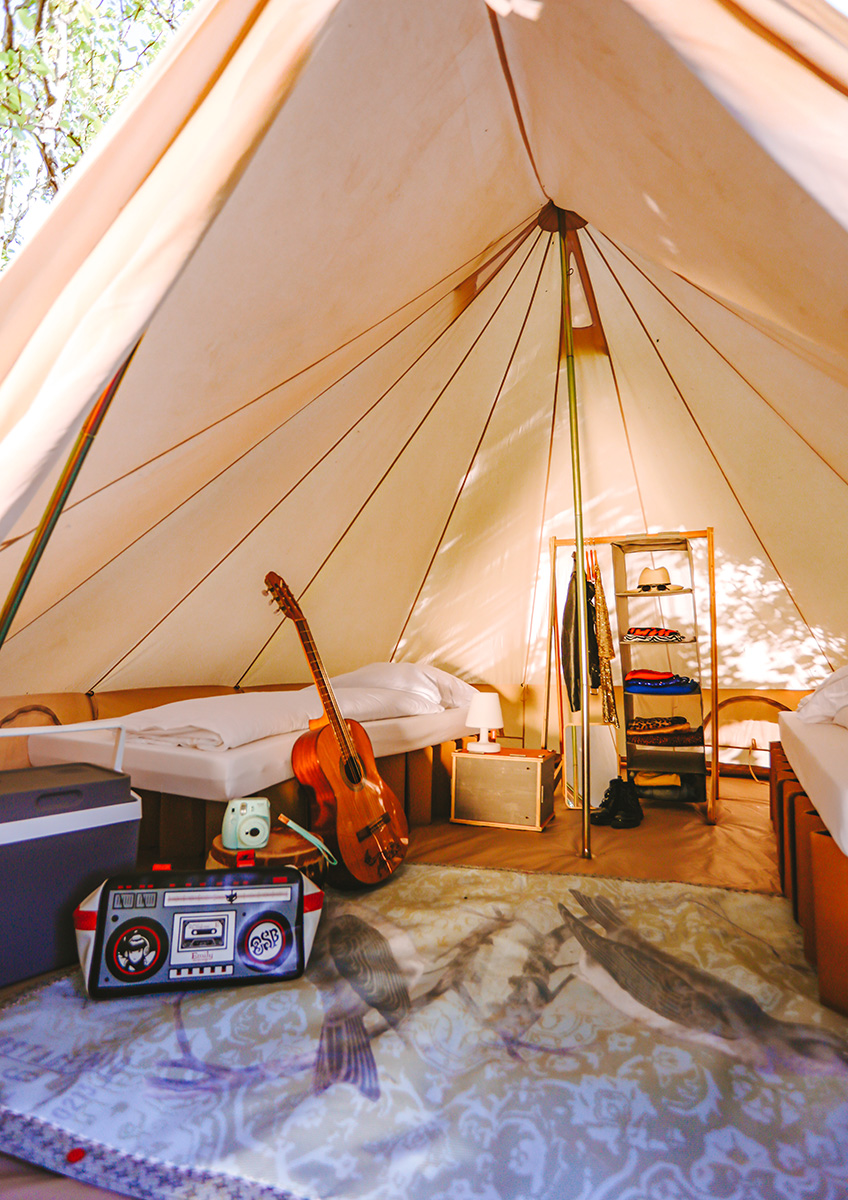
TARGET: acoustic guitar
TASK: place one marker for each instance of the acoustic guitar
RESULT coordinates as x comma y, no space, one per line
353,810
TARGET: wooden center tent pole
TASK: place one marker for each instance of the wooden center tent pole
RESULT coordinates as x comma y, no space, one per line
568,224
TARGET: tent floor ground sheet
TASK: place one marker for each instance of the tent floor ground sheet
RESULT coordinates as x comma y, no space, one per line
460,1032
673,843
524,1061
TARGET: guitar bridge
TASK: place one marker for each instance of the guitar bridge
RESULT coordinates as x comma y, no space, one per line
368,831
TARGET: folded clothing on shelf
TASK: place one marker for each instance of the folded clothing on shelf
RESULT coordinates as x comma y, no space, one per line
651,634
656,724
666,684
648,779
669,737
689,790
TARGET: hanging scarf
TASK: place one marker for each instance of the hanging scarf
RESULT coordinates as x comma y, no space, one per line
606,647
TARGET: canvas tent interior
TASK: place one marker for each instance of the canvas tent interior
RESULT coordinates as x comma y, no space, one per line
349,327
319,247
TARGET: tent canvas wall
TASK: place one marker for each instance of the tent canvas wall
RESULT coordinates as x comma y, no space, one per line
325,228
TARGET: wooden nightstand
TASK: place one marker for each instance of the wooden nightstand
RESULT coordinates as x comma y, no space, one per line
513,789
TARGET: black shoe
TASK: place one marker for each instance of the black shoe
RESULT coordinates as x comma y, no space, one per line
629,813
609,805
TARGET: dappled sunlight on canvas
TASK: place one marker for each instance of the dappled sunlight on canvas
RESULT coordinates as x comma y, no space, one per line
762,640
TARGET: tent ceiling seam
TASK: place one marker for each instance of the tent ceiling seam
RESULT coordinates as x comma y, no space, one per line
386,473
589,289
476,451
732,366
494,24
511,247
768,35
713,456
432,407
292,489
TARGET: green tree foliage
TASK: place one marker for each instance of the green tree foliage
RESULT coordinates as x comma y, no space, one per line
65,66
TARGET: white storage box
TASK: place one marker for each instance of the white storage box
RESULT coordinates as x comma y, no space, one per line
513,789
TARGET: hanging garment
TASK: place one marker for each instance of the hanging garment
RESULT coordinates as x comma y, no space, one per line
606,648
571,643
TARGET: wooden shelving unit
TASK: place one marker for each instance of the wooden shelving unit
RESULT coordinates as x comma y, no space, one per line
676,609
674,550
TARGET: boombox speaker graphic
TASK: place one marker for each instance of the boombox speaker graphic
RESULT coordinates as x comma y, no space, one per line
167,930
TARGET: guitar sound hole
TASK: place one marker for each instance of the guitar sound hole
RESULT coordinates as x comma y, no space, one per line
352,771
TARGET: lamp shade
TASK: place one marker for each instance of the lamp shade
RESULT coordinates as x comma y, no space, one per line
484,713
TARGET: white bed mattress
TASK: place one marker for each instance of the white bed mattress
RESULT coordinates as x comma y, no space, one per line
818,754
240,771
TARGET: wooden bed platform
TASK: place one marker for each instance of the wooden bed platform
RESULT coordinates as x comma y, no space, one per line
179,829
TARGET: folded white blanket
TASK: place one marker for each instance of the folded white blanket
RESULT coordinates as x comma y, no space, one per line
222,722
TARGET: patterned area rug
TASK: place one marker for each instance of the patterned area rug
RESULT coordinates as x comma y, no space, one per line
459,1035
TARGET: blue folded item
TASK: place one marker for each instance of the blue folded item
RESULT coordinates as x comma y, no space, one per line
678,685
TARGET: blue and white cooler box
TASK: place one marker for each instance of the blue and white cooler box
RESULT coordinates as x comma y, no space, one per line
62,828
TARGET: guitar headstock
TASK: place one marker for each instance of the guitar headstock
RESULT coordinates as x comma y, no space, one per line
282,594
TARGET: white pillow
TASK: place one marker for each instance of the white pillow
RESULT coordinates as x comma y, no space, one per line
828,698
401,677
841,717
375,703
430,682
453,692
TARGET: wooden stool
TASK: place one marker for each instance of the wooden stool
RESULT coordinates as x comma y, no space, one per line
283,849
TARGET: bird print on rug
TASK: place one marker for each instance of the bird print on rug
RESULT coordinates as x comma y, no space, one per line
668,993
357,974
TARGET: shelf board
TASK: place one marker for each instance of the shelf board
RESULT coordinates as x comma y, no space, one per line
678,591
656,541
690,760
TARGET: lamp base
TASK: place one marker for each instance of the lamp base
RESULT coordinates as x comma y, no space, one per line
483,747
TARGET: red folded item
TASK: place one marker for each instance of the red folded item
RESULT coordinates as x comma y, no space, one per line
644,673
652,633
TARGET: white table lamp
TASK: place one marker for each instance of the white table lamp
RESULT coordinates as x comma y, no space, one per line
484,713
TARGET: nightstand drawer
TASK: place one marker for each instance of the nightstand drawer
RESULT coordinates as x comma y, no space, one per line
513,789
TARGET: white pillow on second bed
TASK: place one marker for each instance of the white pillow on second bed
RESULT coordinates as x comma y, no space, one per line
827,700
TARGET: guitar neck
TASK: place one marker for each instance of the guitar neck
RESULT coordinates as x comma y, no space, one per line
325,690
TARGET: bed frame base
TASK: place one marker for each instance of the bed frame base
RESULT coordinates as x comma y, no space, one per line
814,877
180,829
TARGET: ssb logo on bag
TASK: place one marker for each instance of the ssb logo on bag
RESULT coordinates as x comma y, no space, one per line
266,942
